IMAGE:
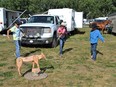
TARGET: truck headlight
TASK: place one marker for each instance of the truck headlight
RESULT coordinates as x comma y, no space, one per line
47,30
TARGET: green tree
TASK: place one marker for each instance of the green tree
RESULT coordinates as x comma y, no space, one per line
91,8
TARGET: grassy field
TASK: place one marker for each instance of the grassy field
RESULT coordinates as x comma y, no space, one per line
74,69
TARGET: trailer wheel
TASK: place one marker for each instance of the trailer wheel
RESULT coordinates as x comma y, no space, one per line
109,30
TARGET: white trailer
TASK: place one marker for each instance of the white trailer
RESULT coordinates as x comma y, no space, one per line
78,19
65,14
112,17
7,17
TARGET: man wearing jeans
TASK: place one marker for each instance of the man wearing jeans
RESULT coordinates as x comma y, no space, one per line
16,37
94,36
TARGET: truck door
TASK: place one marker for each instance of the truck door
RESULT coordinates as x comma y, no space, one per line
57,22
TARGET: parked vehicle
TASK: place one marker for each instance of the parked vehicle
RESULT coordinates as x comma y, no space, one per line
72,18
23,20
41,29
100,19
78,19
7,17
112,17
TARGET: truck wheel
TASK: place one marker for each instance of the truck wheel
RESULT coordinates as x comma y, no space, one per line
54,42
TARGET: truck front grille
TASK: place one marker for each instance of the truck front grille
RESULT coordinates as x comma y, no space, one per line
32,32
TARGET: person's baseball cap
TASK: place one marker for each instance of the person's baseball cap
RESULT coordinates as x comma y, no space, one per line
94,25
17,22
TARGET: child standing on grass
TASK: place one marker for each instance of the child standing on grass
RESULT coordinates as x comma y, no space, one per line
94,36
16,37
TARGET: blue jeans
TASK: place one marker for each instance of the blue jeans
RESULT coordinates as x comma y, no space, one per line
93,50
17,47
62,41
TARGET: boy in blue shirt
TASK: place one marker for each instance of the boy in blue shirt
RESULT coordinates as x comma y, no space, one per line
16,37
94,36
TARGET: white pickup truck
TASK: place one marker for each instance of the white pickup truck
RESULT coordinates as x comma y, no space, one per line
41,29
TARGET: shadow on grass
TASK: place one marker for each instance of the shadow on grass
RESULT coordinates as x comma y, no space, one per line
42,70
36,45
67,50
31,52
76,31
80,32
113,33
98,52
45,68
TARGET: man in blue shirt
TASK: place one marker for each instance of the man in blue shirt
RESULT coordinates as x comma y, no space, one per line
94,36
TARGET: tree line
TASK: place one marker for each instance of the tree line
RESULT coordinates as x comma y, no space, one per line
90,8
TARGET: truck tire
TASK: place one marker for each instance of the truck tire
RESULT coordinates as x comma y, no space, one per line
54,42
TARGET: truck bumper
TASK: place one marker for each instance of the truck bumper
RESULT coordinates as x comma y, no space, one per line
36,41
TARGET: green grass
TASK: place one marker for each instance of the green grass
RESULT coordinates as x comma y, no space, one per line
74,69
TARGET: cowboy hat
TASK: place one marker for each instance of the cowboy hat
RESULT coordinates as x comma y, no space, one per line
63,23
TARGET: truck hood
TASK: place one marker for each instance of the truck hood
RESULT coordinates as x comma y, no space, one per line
37,25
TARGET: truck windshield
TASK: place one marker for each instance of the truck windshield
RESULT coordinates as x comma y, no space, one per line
41,19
